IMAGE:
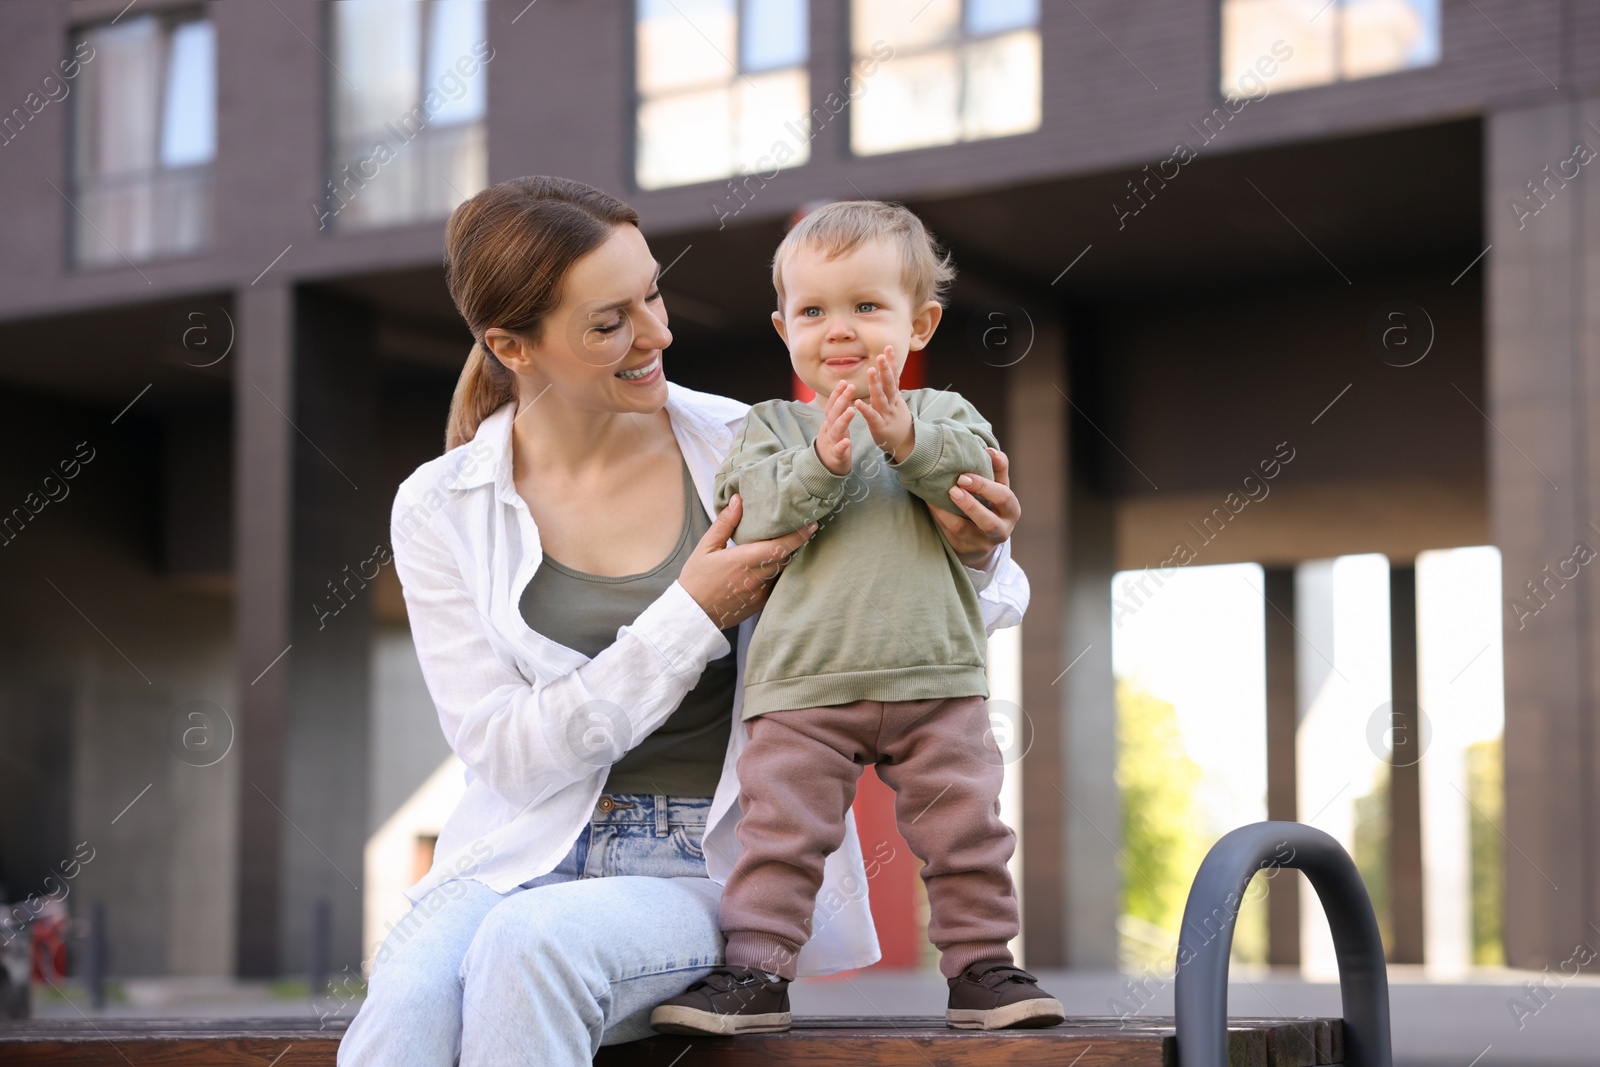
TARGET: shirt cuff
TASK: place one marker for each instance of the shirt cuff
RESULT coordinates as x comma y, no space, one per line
981,577
680,630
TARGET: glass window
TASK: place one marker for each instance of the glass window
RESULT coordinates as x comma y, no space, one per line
410,92
144,135
1316,42
940,71
722,89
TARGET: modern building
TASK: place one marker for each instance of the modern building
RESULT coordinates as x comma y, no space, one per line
1346,242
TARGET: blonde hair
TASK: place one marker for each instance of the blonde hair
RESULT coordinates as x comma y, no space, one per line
507,251
840,228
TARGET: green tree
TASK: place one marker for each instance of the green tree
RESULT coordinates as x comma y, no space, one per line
1369,848
1161,833
1486,788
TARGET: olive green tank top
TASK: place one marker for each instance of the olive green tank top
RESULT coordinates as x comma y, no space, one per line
583,611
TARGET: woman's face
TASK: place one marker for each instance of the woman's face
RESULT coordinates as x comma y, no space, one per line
611,319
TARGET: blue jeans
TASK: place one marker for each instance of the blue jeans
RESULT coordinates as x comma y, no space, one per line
548,972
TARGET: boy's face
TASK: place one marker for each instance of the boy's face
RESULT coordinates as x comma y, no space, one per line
839,314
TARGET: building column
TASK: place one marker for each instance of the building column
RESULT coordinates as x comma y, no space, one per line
1071,814
1037,418
306,403
341,533
1542,396
1283,721
1089,709
263,457
1405,784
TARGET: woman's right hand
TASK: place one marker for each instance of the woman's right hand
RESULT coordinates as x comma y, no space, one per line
732,583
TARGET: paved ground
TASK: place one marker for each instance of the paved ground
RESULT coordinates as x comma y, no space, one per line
1434,1024
1471,1023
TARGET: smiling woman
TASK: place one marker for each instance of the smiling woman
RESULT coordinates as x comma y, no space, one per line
581,617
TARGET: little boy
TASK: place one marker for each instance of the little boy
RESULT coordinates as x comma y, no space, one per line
870,649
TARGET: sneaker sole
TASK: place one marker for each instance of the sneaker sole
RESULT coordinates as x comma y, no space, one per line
676,1019
1041,1011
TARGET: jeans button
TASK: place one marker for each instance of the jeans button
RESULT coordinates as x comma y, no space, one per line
606,804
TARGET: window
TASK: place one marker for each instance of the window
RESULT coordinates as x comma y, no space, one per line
951,70
144,134
722,89
410,89
1327,40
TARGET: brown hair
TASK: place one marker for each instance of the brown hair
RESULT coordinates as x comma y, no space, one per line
838,228
507,251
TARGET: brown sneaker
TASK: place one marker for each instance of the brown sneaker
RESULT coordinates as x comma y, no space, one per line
729,1000
995,995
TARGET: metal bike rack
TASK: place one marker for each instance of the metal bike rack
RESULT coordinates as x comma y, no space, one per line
1201,992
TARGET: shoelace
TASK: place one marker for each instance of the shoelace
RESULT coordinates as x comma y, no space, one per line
997,975
723,981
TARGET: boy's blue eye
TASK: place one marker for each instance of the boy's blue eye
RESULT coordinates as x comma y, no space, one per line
869,305
811,313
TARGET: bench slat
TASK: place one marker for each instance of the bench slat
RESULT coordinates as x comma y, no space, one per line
823,1041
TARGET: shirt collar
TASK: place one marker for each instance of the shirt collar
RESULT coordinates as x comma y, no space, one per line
687,408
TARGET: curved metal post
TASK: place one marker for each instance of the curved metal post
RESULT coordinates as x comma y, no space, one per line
1201,993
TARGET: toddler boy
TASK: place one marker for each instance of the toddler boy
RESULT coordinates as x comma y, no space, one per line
870,648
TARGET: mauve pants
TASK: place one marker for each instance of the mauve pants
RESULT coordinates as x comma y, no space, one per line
797,777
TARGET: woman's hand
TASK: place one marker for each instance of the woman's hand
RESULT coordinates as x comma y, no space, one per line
991,508
731,584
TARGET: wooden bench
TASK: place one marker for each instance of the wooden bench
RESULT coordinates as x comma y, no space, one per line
817,1042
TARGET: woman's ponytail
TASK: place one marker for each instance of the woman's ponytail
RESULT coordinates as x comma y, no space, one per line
484,386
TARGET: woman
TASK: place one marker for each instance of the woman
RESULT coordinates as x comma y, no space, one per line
581,623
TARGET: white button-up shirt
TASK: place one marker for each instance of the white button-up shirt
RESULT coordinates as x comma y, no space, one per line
538,724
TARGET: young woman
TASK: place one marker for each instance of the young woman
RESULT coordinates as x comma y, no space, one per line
581,622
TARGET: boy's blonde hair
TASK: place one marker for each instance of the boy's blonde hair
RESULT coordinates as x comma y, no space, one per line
839,228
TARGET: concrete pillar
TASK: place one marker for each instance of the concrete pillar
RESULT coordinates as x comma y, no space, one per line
1542,397
1071,813
341,533
1405,797
263,460
1283,719
308,543
1094,809
1037,414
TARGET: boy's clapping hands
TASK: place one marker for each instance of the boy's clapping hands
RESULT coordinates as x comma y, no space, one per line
888,417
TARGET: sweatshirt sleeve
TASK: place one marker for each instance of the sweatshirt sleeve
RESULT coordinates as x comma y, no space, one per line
783,486
949,438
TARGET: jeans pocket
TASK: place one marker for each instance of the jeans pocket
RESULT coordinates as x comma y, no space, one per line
689,840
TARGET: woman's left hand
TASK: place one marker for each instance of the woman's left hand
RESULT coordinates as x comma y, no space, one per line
991,511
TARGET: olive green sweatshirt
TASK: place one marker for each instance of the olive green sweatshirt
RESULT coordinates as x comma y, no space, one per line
876,605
